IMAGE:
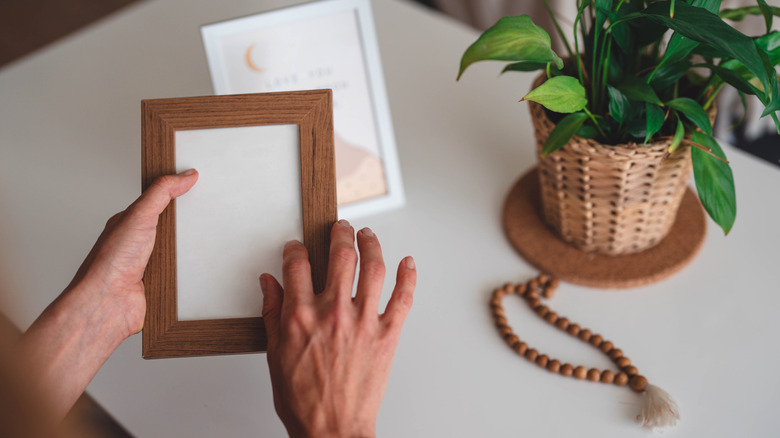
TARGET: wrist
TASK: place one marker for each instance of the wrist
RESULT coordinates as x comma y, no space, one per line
103,315
314,429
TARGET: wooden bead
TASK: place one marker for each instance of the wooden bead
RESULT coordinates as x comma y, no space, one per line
532,354
623,362
621,379
520,289
551,317
567,370
542,311
554,366
548,292
499,311
585,335
512,339
596,340
501,321
606,346
594,375
543,278
554,283
534,303
508,289
542,360
520,348
505,331
574,329
532,294
495,302
607,376
580,372
533,285
631,371
638,383
615,354
562,323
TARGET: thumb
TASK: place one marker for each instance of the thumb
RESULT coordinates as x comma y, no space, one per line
273,296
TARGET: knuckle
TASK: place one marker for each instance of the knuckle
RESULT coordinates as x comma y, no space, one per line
373,268
113,220
344,254
163,182
298,318
297,265
405,301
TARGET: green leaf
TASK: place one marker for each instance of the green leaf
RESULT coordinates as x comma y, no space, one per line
678,49
738,14
562,94
515,39
525,66
766,11
705,27
679,133
669,74
655,119
714,181
679,46
636,89
587,131
770,44
692,111
619,106
563,132
731,77
602,11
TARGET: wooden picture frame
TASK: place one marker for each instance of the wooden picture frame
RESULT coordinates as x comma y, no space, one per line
164,335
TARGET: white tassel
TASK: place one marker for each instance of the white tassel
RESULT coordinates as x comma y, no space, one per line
659,410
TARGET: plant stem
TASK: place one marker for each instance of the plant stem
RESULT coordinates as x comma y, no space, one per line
558,28
605,71
713,96
593,118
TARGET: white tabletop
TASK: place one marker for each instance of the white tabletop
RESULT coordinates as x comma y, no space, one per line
70,158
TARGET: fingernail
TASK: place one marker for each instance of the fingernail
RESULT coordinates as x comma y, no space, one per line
367,232
291,243
188,172
409,262
344,223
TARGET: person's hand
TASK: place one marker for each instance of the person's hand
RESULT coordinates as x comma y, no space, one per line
103,305
115,265
330,354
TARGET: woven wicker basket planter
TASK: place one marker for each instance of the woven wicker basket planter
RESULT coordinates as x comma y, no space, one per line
609,199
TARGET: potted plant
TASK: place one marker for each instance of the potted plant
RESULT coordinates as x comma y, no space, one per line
623,118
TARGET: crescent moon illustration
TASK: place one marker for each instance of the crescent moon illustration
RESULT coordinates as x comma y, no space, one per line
249,63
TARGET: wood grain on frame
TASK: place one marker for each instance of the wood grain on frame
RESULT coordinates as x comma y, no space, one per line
163,334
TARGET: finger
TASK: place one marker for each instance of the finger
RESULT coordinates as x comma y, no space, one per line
273,297
146,209
403,293
372,271
296,273
342,260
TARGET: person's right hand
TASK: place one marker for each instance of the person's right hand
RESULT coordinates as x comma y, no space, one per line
330,354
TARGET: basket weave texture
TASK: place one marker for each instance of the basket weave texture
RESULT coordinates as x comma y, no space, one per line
609,199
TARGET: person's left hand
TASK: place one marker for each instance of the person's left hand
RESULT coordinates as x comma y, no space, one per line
103,305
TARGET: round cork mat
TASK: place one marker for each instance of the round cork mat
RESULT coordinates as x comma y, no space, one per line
539,246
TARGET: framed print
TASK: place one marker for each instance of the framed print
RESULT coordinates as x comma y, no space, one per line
266,176
329,44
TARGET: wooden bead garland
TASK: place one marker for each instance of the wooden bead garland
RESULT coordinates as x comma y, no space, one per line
658,410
